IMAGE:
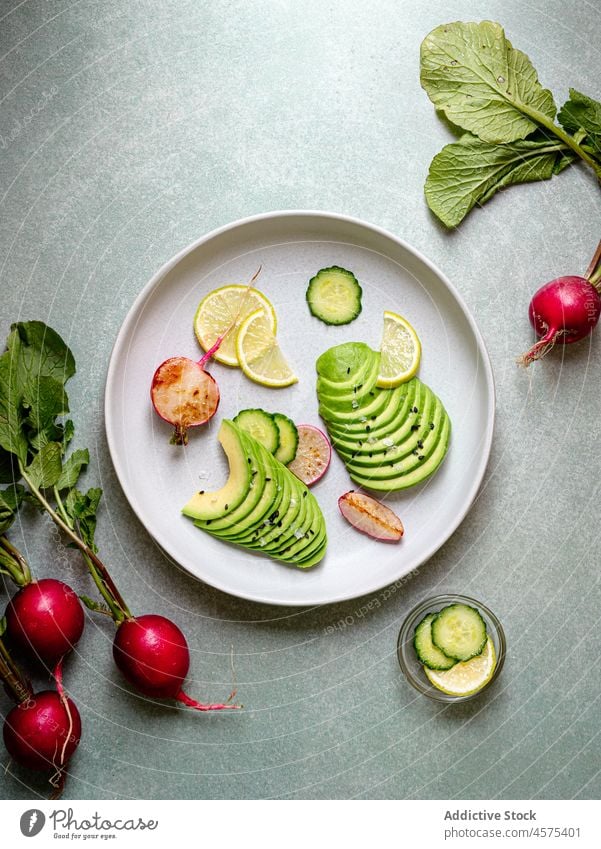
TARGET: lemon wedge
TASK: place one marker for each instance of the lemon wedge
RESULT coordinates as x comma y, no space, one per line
400,351
259,354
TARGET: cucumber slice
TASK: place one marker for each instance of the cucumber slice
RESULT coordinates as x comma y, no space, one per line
334,295
425,649
459,632
261,426
288,438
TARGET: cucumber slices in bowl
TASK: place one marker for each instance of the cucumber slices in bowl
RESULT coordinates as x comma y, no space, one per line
455,649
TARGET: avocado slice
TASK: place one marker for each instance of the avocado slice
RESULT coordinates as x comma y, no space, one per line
216,504
257,485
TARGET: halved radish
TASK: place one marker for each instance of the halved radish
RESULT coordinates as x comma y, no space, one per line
182,391
313,454
371,517
184,394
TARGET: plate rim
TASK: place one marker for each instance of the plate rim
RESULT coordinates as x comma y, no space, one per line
151,285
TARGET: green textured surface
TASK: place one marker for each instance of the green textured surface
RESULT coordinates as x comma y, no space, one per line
128,130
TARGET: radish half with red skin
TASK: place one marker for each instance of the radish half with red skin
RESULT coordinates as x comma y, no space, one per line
370,516
182,391
313,454
565,310
184,394
45,620
153,655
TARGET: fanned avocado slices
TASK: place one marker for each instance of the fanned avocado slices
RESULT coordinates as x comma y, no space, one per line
389,439
262,506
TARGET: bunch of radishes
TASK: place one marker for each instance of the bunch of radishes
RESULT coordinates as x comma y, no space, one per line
45,618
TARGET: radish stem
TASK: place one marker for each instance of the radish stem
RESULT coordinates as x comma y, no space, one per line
13,678
14,563
98,570
593,272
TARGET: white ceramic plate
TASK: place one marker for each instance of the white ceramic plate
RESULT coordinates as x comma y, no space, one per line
158,478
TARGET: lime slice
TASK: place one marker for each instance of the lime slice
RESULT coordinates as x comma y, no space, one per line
468,677
259,354
400,351
219,309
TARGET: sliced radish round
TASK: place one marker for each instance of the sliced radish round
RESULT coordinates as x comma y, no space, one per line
371,517
183,394
313,454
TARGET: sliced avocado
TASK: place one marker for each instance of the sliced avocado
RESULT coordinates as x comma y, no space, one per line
418,473
264,522
389,439
257,485
401,436
266,510
214,505
406,418
383,406
268,502
294,527
312,561
419,440
357,393
339,365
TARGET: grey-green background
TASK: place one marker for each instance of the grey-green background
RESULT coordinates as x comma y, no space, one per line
130,129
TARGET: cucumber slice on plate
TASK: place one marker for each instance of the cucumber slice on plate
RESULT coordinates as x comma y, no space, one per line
334,295
261,426
288,438
427,652
459,631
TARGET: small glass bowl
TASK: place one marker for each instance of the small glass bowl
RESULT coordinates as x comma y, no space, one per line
408,659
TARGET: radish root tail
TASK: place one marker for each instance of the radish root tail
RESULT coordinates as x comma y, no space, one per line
540,349
192,703
58,677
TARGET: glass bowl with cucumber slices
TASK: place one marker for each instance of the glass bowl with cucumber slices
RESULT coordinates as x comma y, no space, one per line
451,648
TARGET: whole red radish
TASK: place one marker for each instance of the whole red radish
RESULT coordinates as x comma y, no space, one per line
564,310
153,655
43,732
45,620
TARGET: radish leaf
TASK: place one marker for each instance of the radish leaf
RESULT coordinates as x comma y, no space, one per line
12,438
10,501
470,171
72,468
582,112
45,468
473,74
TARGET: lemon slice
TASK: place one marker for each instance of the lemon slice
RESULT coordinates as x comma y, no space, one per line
219,309
400,351
468,677
259,354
